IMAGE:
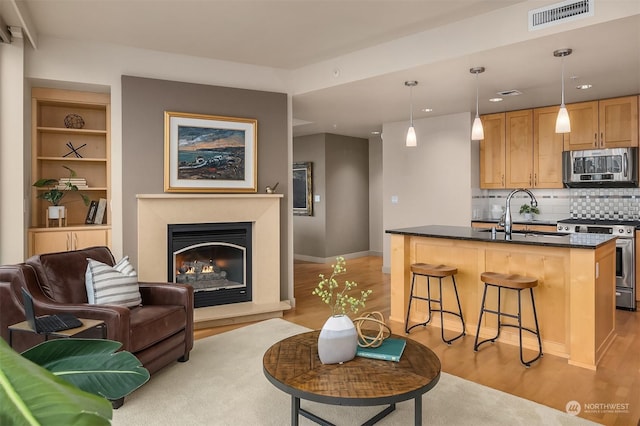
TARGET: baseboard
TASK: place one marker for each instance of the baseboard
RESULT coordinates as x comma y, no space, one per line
332,258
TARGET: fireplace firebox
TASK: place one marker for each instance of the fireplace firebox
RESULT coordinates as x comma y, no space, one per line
214,258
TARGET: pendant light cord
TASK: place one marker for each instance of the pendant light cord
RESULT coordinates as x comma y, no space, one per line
477,94
411,106
562,103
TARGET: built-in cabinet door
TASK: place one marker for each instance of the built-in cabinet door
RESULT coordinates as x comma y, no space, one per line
56,240
49,242
547,149
492,151
519,149
618,122
91,238
584,126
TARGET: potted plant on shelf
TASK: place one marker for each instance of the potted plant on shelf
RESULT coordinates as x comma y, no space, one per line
528,211
338,340
56,192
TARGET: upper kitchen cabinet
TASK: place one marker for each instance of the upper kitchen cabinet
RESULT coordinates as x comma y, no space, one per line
521,150
547,149
608,123
492,151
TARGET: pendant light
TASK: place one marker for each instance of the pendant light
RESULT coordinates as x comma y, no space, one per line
563,125
411,133
477,132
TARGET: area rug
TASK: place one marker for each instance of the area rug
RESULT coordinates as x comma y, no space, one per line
223,384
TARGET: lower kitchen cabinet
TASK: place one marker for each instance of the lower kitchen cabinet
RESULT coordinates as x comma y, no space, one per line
48,240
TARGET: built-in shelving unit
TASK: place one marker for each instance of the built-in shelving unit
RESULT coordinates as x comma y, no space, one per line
83,146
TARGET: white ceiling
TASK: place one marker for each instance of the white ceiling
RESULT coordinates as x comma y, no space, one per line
295,35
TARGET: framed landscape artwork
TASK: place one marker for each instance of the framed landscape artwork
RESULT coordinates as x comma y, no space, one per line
208,153
302,189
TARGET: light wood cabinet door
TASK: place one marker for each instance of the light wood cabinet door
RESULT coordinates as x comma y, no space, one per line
519,149
492,151
609,123
547,149
618,122
49,242
52,240
90,238
584,126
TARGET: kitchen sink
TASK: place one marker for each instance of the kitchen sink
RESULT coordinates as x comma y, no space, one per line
528,233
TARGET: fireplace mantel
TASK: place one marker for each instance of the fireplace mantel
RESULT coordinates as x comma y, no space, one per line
156,211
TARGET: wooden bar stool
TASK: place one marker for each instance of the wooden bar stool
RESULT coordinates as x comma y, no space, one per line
509,282
434,271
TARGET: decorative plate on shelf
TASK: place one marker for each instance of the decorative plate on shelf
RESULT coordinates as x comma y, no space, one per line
73,121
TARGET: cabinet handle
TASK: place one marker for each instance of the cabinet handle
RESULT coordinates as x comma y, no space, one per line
535,179
68,242
75,241
502,180
595,139
529,179
601,140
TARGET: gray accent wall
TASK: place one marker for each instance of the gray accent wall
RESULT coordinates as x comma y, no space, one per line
340,224
144,101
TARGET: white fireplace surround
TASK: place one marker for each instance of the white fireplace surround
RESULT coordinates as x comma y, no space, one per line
156,211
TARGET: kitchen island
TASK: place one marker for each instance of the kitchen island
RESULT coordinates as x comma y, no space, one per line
575,296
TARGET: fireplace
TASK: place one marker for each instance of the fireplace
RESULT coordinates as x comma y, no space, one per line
214,258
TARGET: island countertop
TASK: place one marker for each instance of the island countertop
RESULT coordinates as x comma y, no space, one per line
583,241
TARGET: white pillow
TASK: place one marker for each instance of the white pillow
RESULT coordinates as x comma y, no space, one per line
112,285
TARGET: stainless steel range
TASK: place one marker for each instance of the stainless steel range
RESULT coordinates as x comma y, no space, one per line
625,252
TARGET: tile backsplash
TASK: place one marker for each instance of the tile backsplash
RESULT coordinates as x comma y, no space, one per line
558,204
605,203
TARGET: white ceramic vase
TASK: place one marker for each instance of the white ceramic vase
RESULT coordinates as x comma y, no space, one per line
56,212
528,216
338,340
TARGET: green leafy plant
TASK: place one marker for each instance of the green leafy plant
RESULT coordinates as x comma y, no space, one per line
340,300
66,381
54,194
527,208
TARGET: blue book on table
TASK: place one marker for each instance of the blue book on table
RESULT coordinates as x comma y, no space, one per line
390,350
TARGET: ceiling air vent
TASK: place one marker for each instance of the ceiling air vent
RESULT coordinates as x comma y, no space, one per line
512,92
559,13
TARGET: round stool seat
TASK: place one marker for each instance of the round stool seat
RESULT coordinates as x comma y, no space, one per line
433,270
514,281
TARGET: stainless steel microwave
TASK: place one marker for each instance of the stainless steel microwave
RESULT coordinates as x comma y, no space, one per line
612,167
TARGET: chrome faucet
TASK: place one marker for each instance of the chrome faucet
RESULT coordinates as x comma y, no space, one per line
505,221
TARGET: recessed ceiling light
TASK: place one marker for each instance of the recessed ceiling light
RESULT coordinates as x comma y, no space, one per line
375,132
583,86
427,109
495,99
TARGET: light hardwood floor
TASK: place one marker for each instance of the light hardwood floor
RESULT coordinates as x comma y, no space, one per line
550,381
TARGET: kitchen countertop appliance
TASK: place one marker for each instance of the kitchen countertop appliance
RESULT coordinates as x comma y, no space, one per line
625,252
600,168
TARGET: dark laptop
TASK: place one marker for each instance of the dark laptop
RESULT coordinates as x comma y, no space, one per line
48,323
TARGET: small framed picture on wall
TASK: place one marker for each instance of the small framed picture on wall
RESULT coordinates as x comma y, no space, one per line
302,189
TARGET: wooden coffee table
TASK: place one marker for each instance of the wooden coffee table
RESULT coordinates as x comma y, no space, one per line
293,366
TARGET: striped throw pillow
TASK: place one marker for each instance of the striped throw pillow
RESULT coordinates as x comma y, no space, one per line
112,285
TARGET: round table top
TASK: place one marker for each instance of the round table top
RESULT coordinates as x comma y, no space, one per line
293,366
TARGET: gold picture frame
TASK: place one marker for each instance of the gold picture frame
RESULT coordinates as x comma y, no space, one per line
209,153
302,189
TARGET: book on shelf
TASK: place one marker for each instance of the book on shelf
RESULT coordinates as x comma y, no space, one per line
91,213
102,206
391,349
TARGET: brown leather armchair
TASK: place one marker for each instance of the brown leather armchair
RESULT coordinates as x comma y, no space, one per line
158,332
